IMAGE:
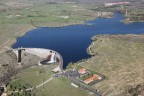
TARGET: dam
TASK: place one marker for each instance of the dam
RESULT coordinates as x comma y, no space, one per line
46,56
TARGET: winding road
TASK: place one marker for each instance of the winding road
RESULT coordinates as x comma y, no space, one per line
62,73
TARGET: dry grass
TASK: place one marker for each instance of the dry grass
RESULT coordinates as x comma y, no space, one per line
120,59
9,32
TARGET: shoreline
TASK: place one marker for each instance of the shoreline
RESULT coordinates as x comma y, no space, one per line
92,44
12,40
93,40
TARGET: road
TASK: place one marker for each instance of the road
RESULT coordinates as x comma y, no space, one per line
62,73
75,81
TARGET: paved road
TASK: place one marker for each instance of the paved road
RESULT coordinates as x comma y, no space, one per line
61,61
75,81
67,77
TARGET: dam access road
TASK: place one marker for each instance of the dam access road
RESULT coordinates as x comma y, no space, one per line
51,57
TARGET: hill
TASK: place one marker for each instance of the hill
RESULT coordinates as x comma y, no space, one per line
120,59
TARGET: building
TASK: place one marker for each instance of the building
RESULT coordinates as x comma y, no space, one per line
82,71
98,77
116,3
90,79
4,94
74,85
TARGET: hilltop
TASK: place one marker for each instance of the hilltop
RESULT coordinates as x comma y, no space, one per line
24,3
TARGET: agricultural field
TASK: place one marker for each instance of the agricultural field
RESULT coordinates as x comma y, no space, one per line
47,13
20,16
17,21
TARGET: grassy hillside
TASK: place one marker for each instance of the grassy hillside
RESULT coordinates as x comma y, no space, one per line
120,59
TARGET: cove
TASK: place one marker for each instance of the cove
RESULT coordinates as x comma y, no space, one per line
72,41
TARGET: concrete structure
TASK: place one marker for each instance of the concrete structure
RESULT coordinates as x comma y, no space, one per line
57,69
74,85
117,3
98,77
4,94
43,54
53,59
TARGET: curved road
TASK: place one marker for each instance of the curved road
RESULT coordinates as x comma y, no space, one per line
73,80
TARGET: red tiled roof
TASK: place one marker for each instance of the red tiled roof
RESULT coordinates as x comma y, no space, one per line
82,70
90,79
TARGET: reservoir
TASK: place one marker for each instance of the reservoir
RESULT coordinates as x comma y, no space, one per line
72,41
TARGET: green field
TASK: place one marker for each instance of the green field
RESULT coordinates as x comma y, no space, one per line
37,75
60,87
17,21
28,78
47,13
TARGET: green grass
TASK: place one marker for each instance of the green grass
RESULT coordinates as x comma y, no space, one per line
57,86
46,13
35,76
60,87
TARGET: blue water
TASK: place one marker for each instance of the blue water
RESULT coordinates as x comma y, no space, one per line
72,41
